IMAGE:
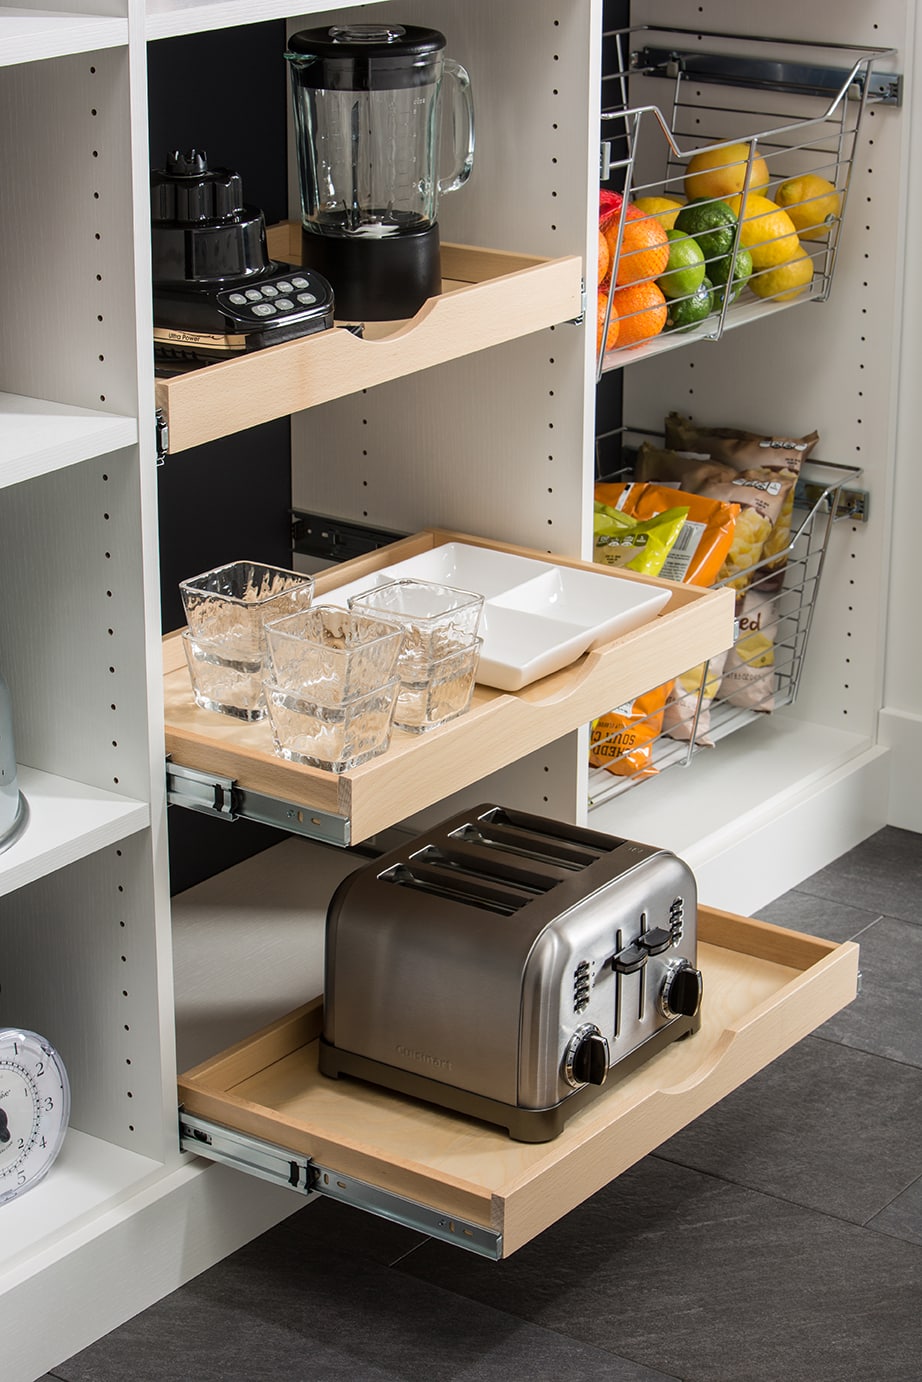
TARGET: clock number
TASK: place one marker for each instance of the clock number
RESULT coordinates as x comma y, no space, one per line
22,1143
22,1178
48,1104
39,1069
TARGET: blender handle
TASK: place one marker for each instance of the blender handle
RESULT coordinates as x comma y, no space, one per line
462,125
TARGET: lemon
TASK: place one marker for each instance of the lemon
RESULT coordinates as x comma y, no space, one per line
812,203
786,280
767,232
665,209
685,269
721,171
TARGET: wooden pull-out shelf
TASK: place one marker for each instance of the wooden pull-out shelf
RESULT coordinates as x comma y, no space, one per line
488,297
499,728
764,989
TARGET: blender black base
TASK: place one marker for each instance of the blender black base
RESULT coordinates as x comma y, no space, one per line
384,279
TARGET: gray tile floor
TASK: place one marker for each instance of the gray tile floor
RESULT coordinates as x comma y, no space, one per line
776,1239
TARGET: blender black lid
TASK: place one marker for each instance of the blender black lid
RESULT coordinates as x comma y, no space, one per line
362,57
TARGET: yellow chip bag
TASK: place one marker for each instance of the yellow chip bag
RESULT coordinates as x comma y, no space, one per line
640,545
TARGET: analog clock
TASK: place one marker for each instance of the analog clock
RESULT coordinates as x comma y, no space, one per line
34,1109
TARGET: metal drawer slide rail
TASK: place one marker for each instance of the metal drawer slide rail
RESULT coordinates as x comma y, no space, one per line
219,796
281,1167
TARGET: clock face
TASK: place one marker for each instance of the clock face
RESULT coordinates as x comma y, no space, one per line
34,1109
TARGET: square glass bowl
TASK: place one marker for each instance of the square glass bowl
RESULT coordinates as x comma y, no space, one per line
232,603
224,679
331,654
441,690
334,737
437,619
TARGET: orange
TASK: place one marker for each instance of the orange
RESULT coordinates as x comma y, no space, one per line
644,250
613,325
604,258
641,310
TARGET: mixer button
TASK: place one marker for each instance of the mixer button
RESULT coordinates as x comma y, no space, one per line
285,304
263,309
254,295
269,291
285,287
237,299
300,283
306,298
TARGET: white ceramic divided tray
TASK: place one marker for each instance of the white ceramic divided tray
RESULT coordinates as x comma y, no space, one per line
537,617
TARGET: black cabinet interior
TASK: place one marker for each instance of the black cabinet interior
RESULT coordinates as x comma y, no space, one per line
225,92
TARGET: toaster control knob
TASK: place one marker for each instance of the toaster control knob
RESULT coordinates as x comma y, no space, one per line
681,992
586,1058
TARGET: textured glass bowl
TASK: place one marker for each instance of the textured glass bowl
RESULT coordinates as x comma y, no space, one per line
232,603
331,654
334,737
224,679
442,691
435,617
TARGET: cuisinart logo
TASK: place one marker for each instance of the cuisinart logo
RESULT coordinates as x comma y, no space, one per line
423,1058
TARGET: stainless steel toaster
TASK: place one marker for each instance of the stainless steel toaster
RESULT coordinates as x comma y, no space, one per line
508,967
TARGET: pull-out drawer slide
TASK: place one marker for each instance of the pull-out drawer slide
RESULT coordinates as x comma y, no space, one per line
281,1167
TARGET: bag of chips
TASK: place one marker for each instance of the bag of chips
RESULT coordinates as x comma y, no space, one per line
751,454
682,704
749,672
637,544
621,740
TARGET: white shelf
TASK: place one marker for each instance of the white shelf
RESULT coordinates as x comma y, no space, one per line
168,18
32,35
67,821
88,1178
767,806
37,437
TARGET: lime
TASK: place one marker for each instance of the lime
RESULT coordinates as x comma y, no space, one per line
687,312
720,273
712,224
685,269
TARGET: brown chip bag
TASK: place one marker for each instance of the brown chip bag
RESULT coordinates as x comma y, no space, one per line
749,672
750,453
685,470
679,715
762,501
738,448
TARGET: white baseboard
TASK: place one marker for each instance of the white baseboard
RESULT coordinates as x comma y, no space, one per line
901,732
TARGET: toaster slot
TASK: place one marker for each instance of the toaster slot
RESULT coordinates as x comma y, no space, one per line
456,887
491,832
476,863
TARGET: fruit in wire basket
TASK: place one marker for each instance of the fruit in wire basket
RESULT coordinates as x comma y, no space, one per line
785,281
720,270
684,313
644,251
685,268
665,209
712,224
721,171
604,258
611,338
812,203
767,232
641,309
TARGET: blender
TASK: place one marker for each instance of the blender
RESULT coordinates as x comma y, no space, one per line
367,113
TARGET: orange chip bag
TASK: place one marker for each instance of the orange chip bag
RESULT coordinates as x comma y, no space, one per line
698,554
620,741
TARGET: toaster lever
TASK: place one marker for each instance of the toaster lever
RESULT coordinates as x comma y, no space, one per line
656,940
630,959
